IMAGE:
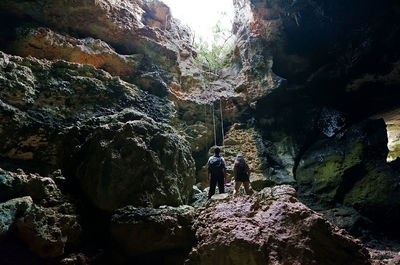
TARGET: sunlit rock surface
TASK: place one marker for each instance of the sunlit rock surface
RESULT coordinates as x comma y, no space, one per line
272,227
392,120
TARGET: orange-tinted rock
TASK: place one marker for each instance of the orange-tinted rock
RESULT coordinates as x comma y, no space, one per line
129,26
44,43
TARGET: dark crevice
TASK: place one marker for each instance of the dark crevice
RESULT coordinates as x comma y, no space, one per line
307,144
349,178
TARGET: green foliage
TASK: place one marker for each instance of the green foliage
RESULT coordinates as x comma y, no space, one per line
216,55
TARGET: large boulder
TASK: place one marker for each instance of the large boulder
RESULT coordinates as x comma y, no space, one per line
270,228
140,231
128,159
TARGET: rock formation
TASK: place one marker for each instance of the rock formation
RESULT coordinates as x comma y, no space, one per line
34,209
107,119
353,171
270,228
339,68
133,161
43,43
141,231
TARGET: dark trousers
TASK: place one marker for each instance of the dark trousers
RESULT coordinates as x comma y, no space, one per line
213,183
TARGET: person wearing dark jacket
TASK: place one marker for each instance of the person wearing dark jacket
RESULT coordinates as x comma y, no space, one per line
241,173
216,172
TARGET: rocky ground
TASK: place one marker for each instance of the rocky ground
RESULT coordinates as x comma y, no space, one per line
106,126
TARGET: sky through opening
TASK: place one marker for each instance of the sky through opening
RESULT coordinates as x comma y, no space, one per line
202,15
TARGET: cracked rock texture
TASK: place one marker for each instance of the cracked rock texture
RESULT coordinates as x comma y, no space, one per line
272,227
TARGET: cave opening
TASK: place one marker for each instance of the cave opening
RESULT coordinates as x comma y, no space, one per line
202,16
109,111
210,23
392,121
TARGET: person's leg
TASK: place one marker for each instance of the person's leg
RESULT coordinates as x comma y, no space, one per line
247,188
221,184
213,184
237,187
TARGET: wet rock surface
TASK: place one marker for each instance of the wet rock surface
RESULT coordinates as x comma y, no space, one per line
272,227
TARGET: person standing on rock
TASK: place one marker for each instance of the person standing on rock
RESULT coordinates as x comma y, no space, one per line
241,173
216,172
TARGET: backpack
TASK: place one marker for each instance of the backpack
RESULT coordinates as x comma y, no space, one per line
241,171
215,165
241,167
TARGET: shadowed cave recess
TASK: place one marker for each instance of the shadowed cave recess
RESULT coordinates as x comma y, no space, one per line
108,117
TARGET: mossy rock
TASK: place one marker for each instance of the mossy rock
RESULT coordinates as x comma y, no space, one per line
331,166
326,171
376,195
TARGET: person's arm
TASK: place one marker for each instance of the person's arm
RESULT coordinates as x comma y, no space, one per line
234,171
208,170
224,174
248,170
223,160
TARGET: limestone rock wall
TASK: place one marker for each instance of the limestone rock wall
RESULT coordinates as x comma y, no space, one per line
130,26
109,92
40,98
324,67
